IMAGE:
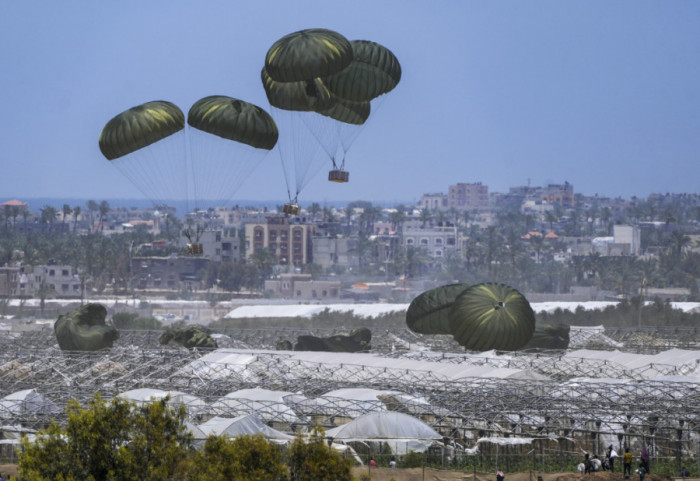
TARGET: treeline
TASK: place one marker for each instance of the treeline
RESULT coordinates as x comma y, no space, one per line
627,313
121,441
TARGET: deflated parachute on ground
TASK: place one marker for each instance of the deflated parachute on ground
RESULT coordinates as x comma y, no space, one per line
548,336
429,312
84,329
358,340
189,337
140,127
492,316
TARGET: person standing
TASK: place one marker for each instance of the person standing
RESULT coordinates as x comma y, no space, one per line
642,472
644,457
499,475
627,463
612,454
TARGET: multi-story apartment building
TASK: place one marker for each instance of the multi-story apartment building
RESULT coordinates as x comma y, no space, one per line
221,245
433,202
9,282
332,251
562,194
173,272
291,243
300,286
63,281
435,240
463,197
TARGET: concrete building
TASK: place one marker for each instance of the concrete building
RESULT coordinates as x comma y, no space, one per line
435,240
62,280
433,202
173,272
628,235
221,245
301,286
335,251
562,194
468,197
290,243
9,282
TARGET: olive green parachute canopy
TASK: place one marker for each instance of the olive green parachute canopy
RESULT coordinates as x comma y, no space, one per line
358,340
84,329
347,111
374,71
193,336
304,96
140,127
234,119
308,54
548,336
492,316
429,312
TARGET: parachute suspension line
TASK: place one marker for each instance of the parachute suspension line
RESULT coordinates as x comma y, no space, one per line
156,169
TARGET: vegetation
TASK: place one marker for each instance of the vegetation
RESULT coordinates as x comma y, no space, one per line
120,441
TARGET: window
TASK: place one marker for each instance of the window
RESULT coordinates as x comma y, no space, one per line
64,287
258,234
218,252
438,253
298,293
438,241
424,242
218,237
409,241
324,293
226,246
273,235
65,272
283,235
52,272
297,234
313,293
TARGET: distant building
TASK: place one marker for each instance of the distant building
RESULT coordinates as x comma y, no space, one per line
290,243
628,235
435,240
433,202
63,281
172,272
301,286
9,282
468,197
335,251
219,247
562,194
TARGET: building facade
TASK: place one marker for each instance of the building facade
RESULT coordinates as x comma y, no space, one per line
435,240
173,272
290,243
301,286
464,196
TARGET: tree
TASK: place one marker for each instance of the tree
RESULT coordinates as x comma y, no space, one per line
244,457
316,461
92,208
48,216
76,214
110,441
104,209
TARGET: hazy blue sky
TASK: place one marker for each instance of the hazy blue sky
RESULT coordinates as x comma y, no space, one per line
603,94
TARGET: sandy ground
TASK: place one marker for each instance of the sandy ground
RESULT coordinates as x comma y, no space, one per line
417,474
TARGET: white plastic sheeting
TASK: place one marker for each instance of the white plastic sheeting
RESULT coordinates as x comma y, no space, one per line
177,398
268,405
403,433
26,402
354,402
308,311
249,424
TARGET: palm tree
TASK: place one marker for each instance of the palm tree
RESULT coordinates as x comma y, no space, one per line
48,216
104,210
425,216
76,214
92,208
66,212
678,241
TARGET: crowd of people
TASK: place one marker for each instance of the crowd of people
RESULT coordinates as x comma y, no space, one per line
607,463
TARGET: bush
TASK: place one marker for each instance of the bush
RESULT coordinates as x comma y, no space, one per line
316,461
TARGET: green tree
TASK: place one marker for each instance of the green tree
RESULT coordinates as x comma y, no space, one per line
245,457
110,441
314,460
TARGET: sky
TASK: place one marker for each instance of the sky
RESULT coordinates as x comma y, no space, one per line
602,94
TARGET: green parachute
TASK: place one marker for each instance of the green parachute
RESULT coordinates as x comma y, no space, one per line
492,316
140,127
190,337
84,329
429,312
308,54
235,120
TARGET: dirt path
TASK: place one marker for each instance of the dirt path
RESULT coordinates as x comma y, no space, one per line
418,474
